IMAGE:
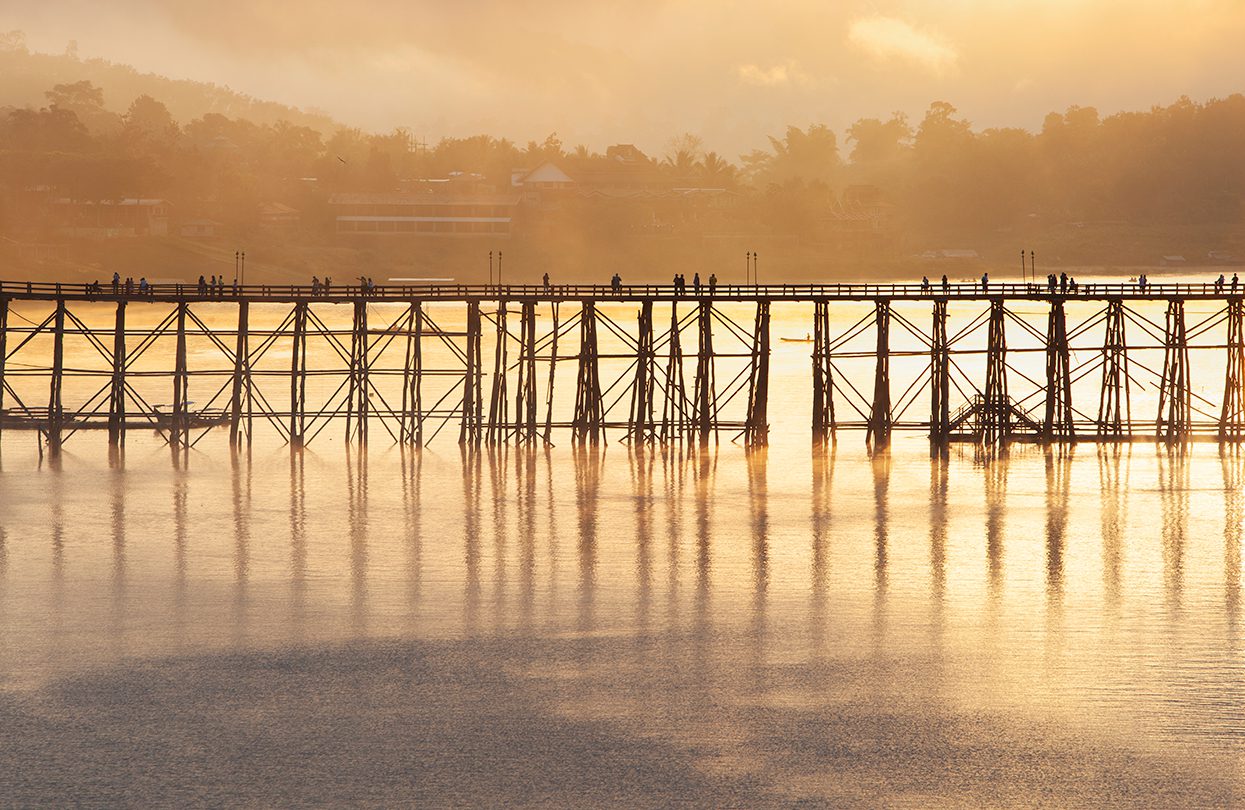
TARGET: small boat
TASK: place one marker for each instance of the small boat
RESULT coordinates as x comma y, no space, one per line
806,339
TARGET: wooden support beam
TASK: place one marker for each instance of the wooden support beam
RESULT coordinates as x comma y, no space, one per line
116,394
704,416
1057,418
996,412
553,367
498,406
823,375
241,379
940,379
179,431
589,410
470,431
1232,415
879,432
358,396
674,421
298,377
413,376
756,432
1175,407
525,395
4,352
1114,401
640,422
56,411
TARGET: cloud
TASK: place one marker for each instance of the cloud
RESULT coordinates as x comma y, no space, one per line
888,38
773,76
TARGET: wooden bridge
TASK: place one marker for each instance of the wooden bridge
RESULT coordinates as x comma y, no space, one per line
681,368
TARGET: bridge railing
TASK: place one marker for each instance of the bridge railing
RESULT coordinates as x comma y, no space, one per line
743,292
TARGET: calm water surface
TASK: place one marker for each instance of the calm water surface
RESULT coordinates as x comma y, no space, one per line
585,627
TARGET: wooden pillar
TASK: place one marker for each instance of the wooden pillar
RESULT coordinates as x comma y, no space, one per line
241,377
756,431
56,412
413,376
589,414
879,433
1175,407
4,351
498,405
179,430
1057,418
1231,418
116,397
553,366
996,409
1114,405
823,375
357,405
469,433
674,423
298,377
940,379
704,417
525,396
640,428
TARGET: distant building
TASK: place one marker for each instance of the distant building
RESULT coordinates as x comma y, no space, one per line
545,177
1173,261
112,218
198,229
34,252
952,256
278,215
429,214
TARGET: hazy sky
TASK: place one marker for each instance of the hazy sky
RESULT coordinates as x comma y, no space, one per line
600,72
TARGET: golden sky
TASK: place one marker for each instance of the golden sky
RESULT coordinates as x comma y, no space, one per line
728,70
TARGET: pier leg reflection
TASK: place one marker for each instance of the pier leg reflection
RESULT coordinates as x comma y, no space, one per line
1113,466
820,514
758,499
1173,468
880,461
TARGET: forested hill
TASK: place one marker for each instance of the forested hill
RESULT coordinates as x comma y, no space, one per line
26,76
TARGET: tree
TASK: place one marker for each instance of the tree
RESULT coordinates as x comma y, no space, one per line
149,116
718,172
875,141
86,101
811,155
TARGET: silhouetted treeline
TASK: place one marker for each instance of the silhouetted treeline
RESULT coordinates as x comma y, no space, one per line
1177,164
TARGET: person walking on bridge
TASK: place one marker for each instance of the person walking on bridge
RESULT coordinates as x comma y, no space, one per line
713,282
116,282
985,281
946,285
546,281
696,283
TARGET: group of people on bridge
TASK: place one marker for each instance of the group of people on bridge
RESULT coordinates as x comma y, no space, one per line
1062,284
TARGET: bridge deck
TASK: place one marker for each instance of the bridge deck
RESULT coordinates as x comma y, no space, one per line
963,291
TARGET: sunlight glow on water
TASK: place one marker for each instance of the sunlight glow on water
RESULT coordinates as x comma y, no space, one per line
1085,602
